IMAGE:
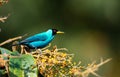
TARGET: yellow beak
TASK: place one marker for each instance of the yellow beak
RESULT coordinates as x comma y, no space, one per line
60,32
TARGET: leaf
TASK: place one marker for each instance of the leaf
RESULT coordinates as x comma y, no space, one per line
5,52
15,53
2,73
23,66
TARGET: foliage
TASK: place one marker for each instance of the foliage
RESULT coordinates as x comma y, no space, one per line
49,63
22,66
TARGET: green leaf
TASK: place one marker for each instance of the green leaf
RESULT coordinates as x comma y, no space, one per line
15,53
4,52
23,66
2,73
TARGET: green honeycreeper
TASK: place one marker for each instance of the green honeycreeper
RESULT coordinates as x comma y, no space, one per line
40,40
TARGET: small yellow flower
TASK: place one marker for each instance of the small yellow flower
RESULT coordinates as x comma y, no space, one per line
43,60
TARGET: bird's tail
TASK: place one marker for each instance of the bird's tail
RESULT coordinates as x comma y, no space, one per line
15,43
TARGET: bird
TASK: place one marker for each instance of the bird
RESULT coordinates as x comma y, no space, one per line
40,40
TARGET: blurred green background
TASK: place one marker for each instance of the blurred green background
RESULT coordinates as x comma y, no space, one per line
91,27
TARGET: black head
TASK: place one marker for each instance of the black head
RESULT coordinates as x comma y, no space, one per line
54,31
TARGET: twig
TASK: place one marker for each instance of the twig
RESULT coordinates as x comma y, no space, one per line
10,40
2,19
93,68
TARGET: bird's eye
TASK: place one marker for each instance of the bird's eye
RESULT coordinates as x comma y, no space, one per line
54,31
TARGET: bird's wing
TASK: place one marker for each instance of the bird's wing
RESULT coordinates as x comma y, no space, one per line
37,37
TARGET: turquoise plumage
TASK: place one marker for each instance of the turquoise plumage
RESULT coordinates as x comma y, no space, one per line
40,40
